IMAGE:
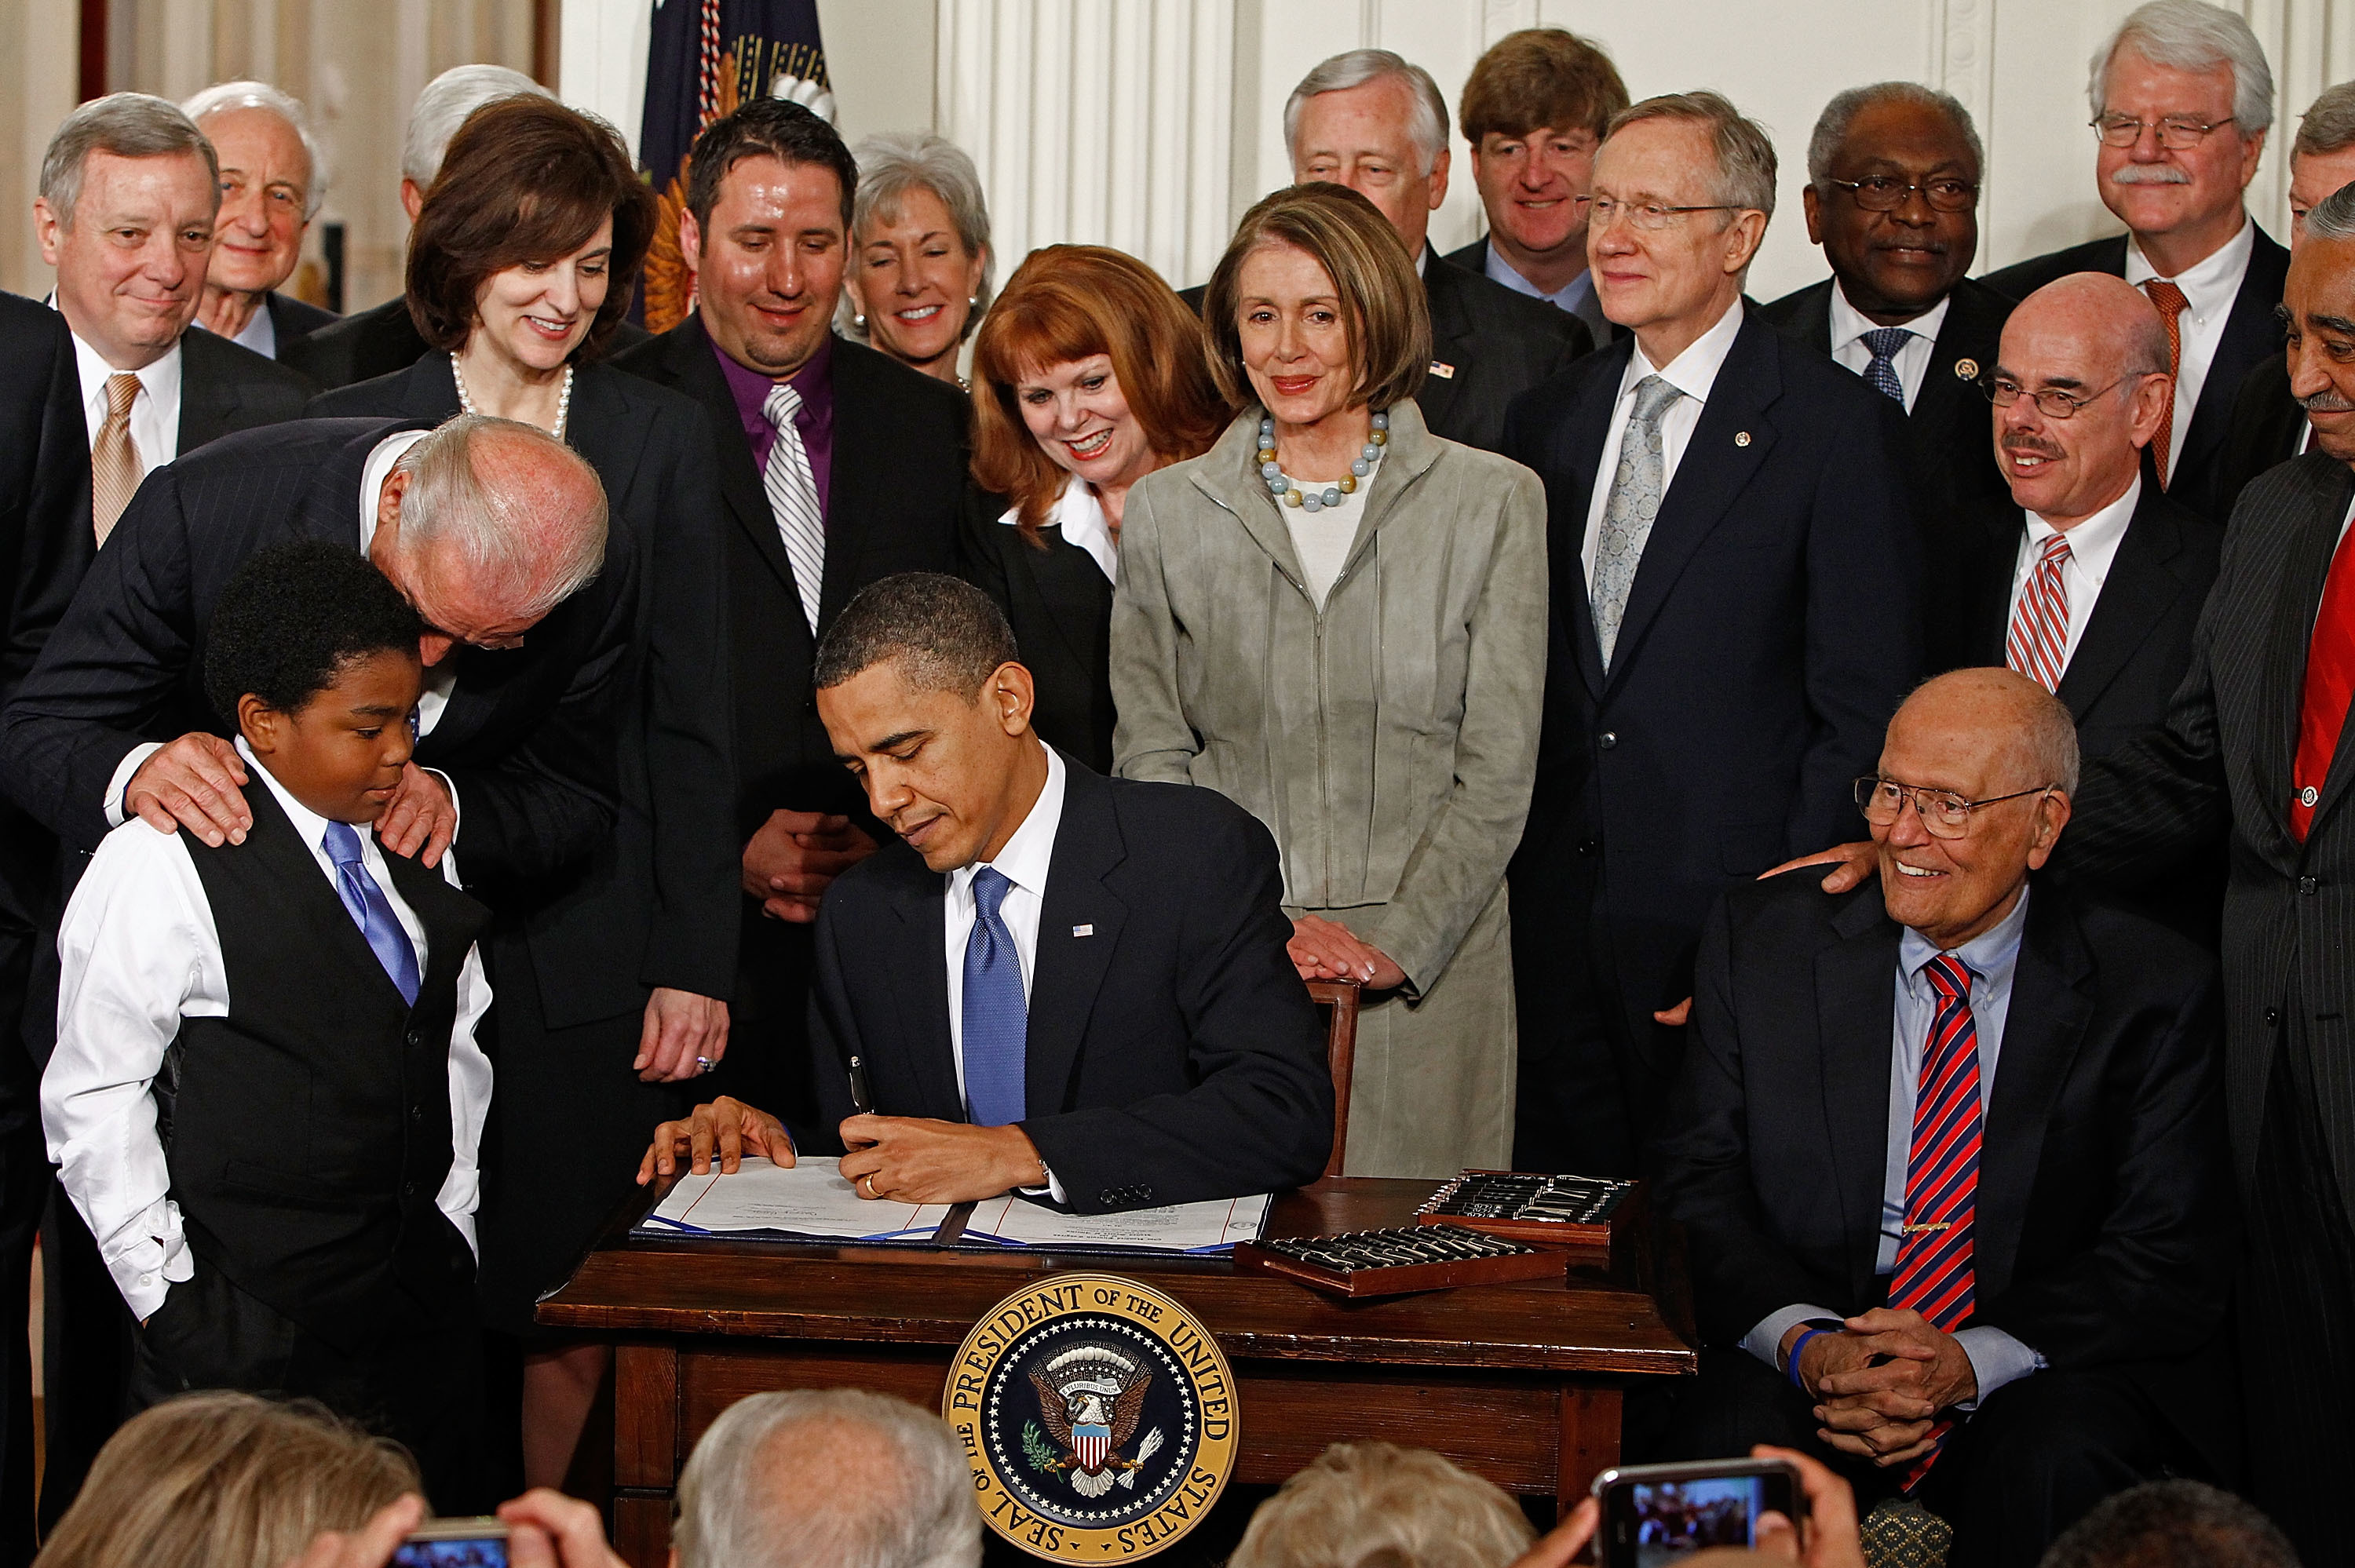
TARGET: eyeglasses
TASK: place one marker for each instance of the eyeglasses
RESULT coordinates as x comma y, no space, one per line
1649,217
2056,404
2176,132
1887,193
1945,814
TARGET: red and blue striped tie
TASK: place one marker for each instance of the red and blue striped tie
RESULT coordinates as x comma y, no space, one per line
1934,1275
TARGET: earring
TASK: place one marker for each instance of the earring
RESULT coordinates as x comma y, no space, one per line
858,322
971,300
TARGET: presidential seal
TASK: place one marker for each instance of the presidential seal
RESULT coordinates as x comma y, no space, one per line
1098,1415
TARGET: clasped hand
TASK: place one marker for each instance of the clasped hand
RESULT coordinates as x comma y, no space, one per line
790,862
1880,1382
1326,950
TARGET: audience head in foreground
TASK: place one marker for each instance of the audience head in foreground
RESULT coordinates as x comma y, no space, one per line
826,1478
226,1480
2080,389
2318,304
1683,189
2173,1524
1364,1503
130,189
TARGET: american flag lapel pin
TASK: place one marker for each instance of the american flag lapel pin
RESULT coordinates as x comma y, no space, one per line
1088,930
1444,370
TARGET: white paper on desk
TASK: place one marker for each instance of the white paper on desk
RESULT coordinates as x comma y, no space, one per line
807,1199
1211,1226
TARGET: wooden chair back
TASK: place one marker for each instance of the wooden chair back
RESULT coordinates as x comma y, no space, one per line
1339,997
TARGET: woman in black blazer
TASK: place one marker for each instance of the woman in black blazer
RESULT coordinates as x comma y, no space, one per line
1087,375
610,986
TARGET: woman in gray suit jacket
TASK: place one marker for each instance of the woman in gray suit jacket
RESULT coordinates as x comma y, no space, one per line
1339,621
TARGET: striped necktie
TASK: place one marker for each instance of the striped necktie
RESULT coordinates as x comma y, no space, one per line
2172,305
1935,1276
2040,627
793,500
115,469
1884,344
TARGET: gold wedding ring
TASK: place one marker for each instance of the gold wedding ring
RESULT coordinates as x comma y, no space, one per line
869,1180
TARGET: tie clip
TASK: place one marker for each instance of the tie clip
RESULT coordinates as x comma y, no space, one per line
1922,1230
1084,930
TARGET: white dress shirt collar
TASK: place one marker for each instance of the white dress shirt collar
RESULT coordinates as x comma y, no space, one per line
155,413
1029,852
2094,543
1694,371
1911,360
2208,285
373,472
1080,516
1848,324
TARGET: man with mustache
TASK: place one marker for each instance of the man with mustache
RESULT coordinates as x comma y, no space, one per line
2182,98
2087,578
1892,197
2269,426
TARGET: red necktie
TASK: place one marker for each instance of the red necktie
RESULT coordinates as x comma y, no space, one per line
2040,627
2171,303
1934,1274
2330,686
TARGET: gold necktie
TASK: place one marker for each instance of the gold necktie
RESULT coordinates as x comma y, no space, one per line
114,467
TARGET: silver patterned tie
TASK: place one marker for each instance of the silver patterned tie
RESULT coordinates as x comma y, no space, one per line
793,500
1636,489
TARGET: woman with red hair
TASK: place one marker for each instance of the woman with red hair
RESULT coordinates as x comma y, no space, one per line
1088,375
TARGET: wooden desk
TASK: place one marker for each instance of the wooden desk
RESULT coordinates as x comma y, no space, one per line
1520,1383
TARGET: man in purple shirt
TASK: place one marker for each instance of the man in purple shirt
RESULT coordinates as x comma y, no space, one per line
839,466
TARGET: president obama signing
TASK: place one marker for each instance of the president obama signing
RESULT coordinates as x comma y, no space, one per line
1107,1017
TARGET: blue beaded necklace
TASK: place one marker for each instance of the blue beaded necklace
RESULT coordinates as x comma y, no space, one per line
1291,494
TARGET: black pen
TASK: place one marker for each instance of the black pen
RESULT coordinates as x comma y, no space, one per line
861,1101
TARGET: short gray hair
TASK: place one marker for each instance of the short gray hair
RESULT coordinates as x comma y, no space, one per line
1375,1502
224,96
2333,217
442,106
917,1513
945,634
1745,152
2328,123
1356,67
2191,35
893,162
1832,126
128,125
506,539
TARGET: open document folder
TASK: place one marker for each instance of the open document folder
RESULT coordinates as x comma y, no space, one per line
810,1202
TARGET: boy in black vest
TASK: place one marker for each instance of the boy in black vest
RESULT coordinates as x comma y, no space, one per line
266,1095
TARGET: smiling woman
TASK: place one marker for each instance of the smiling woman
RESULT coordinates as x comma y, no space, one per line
919,276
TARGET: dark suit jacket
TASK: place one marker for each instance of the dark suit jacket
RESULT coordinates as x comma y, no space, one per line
1060,604
2251,332
1495,343
2221,770
226,386
526,737
1474,258
657,905
2138,642
1773,625
1173,1054
380,340
2268,428
2105,1228
1951,428
44,548
291,318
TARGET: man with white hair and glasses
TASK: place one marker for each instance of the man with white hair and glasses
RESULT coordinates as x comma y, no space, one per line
271,185
1369,119
2182,100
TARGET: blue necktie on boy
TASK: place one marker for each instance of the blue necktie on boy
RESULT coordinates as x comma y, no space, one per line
371,909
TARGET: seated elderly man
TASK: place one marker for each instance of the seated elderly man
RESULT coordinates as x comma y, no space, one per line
1949,1149
819,1477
